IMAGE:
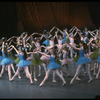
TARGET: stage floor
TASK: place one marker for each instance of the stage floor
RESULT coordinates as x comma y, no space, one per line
21,88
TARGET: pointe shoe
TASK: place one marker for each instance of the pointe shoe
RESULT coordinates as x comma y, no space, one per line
39,75
11,80
90,80
71,81
41,84
31,83
19,77
78,79
54,81
64,84
35,79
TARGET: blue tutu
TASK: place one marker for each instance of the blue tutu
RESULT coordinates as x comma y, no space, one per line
46,42
23,62
64,39
6,60
98,59
1,58
53,64
82,59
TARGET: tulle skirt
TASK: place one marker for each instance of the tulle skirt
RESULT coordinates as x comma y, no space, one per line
76,58
30,58
17,60
6,61
1,58
83,60
66,61
11,56
24,63
59,46
53,65
64,40
45,58
98,59
95,54
46,42
36,60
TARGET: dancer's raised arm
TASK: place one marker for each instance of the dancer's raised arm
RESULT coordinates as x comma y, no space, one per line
90,41
43,54
73,47
12,38
15,49
52,29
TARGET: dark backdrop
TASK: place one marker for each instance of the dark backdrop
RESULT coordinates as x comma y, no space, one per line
16,17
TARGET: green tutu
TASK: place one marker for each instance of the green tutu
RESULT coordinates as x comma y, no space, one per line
36,61
95,54
58,61
67,40
17,60
11,56
76,58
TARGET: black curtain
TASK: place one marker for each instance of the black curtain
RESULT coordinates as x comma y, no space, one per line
37,16
94,8
12,24
8,18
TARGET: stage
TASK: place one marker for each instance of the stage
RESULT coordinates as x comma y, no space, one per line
21,88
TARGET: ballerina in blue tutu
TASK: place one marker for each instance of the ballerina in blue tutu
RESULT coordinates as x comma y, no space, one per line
6,61
0,56
46,42
23,63
52,66
81,61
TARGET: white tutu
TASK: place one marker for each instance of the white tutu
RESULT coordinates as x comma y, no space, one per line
45,58
66,61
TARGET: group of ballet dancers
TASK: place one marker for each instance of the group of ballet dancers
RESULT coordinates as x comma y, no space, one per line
52,51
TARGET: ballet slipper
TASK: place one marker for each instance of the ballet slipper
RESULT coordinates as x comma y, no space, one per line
11,79
41,84
71,81
31,83
35,79
19,77
90,80
64,84
54,81
39,75
77,78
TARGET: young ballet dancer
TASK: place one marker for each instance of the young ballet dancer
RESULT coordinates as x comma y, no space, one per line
65,61
81,61
36,61
98,59
23,63
52,66
6,61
